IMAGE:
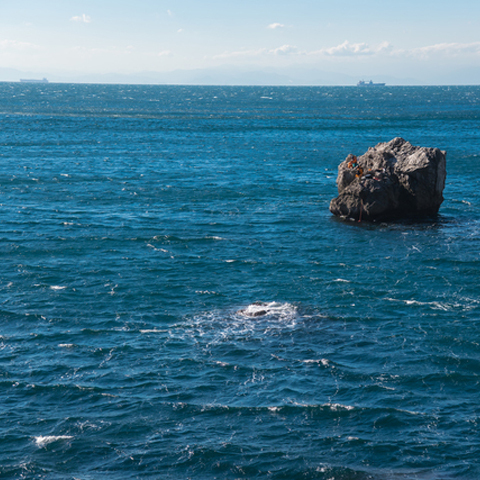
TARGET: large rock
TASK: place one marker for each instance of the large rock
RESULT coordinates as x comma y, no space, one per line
398,180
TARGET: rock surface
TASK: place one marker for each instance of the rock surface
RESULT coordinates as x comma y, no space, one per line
392,180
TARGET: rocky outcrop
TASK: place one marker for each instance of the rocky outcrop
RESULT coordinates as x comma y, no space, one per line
391,180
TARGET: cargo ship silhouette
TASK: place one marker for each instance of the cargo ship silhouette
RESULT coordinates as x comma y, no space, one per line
362,83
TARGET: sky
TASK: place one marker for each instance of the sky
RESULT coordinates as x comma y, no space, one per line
301,41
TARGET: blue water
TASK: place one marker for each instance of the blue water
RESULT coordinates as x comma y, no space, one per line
141,224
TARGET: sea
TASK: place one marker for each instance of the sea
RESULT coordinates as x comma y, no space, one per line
177,301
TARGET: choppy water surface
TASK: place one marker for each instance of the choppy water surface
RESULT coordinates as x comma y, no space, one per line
176,301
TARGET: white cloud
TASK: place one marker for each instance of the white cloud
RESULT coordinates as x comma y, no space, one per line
170,13
180,30
164,53
285,50
384,47
362,50
14,45
448,49
81,18
273,26
347,49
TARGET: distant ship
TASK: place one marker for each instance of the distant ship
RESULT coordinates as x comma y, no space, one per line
362,83
33,80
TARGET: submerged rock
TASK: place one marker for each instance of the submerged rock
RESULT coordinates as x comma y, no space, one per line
256,309
391,180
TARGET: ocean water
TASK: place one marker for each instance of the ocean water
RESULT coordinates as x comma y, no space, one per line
144,227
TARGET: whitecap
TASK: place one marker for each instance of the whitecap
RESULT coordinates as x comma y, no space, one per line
339,406
434,305
58,287
261,309
157,249
42,441
221,364
66,345
322,361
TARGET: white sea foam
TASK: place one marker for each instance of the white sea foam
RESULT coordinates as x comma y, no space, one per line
262,309
222,364
58,287
434,305
157,249
339,406
258,317
332,406
42,441
322,361
66,345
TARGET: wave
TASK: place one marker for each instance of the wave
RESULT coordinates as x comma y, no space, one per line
292,407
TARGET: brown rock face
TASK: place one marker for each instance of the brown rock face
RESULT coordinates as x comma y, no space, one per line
391,180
